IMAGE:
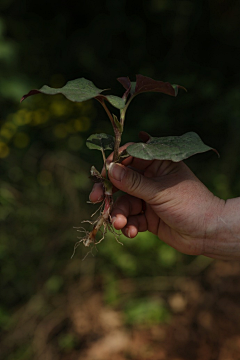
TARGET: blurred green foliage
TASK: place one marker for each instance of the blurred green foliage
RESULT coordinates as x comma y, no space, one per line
44,182
146,311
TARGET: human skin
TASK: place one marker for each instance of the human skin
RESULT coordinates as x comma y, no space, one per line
167,199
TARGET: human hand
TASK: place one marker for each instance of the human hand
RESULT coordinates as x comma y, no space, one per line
165,198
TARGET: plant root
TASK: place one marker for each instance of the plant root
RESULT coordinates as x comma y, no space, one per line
104,220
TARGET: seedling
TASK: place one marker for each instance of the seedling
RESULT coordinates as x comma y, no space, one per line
175,148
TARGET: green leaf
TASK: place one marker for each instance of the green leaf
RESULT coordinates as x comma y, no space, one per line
101,142
79,90
175,148
116,101
75,90
117,123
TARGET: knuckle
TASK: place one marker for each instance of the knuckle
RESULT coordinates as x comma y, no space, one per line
136,181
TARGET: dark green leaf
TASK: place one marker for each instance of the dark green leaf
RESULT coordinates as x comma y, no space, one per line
175,148
101,142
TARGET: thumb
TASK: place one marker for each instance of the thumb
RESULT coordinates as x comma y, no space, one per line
132,182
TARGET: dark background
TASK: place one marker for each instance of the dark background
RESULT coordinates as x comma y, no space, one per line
143,299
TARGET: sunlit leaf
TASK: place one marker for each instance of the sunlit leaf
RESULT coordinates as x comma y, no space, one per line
101,142
75,90
175,148
79,90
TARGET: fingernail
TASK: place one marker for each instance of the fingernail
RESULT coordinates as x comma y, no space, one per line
116,171
129,233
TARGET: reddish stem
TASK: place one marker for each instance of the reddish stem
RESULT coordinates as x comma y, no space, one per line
108,202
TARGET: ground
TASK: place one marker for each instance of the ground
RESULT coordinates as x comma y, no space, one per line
204,322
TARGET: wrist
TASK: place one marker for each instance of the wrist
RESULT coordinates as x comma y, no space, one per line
223,230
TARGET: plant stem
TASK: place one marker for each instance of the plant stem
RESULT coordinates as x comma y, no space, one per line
104,162
123,111
118,133
118,137
106,109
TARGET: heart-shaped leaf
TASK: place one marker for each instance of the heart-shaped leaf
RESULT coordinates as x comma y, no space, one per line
146,84
175,148
79,90
101,142
126,83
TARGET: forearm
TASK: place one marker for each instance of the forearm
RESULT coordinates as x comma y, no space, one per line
224,241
